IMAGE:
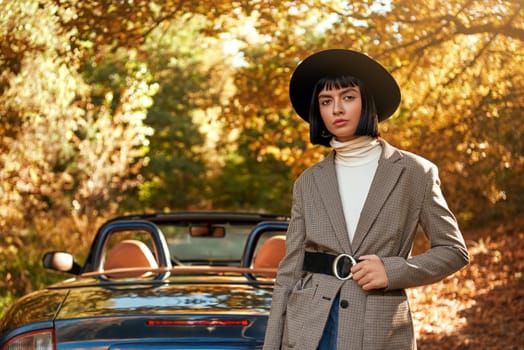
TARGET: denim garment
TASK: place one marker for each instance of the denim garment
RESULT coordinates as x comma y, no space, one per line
329,337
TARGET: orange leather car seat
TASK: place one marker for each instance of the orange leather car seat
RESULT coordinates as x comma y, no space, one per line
129,253
270,254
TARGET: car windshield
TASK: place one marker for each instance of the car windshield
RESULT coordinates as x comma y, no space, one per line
222,249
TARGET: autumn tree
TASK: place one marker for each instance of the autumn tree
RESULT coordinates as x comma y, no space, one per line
69,147
459,64
461,68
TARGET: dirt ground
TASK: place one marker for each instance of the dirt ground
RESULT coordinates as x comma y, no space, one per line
481,306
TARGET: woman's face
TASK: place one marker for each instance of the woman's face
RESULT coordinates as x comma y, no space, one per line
340,110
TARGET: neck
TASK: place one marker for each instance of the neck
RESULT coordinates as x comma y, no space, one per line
358,151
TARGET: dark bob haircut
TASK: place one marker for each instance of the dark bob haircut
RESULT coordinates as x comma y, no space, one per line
368,124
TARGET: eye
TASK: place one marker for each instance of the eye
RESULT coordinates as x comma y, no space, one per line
325,102
349,97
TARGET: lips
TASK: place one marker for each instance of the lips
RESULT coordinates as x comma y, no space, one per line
339,122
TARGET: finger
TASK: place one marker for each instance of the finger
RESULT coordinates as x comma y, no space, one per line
362,275
357,276
359,266
366,257
373,280
369,286
365,282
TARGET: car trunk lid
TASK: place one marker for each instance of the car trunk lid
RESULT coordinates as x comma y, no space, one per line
182,311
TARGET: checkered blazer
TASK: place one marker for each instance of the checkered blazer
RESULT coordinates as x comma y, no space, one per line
405,192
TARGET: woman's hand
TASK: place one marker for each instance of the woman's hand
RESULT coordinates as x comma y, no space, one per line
370,273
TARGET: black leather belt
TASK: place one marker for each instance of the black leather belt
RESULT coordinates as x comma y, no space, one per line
329,264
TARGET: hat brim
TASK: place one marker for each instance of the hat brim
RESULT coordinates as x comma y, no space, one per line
339,62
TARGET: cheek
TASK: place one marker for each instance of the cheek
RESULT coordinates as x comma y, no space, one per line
327,122
354,108
358,110
324,114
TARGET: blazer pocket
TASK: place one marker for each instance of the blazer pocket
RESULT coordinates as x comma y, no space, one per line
297,311
388,323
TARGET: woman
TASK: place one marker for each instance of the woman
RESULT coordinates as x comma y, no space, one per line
354,217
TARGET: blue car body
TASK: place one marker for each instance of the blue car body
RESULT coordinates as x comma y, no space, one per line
177,305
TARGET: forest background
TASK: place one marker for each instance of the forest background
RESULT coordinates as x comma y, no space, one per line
119,106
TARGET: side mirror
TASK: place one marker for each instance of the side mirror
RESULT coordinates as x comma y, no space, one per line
61,262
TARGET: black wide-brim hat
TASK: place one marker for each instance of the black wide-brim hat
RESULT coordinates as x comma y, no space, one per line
339,62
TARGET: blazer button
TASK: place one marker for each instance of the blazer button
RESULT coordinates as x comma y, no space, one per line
344,303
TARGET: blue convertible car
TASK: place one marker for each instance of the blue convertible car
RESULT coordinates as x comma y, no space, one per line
157,281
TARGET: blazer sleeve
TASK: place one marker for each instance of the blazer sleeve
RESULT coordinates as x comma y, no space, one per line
447,253
289,272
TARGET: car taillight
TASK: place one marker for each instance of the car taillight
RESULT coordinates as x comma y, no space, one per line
213,322
37,340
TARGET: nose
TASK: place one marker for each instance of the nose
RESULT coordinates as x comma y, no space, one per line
338,107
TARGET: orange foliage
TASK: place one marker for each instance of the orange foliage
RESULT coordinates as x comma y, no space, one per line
482,306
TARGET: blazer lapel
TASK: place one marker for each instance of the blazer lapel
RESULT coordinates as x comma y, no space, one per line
388,171
326,180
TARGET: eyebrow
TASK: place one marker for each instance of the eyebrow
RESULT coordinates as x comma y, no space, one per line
349,89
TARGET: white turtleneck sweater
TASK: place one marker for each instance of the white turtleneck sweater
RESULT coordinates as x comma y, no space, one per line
356,162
